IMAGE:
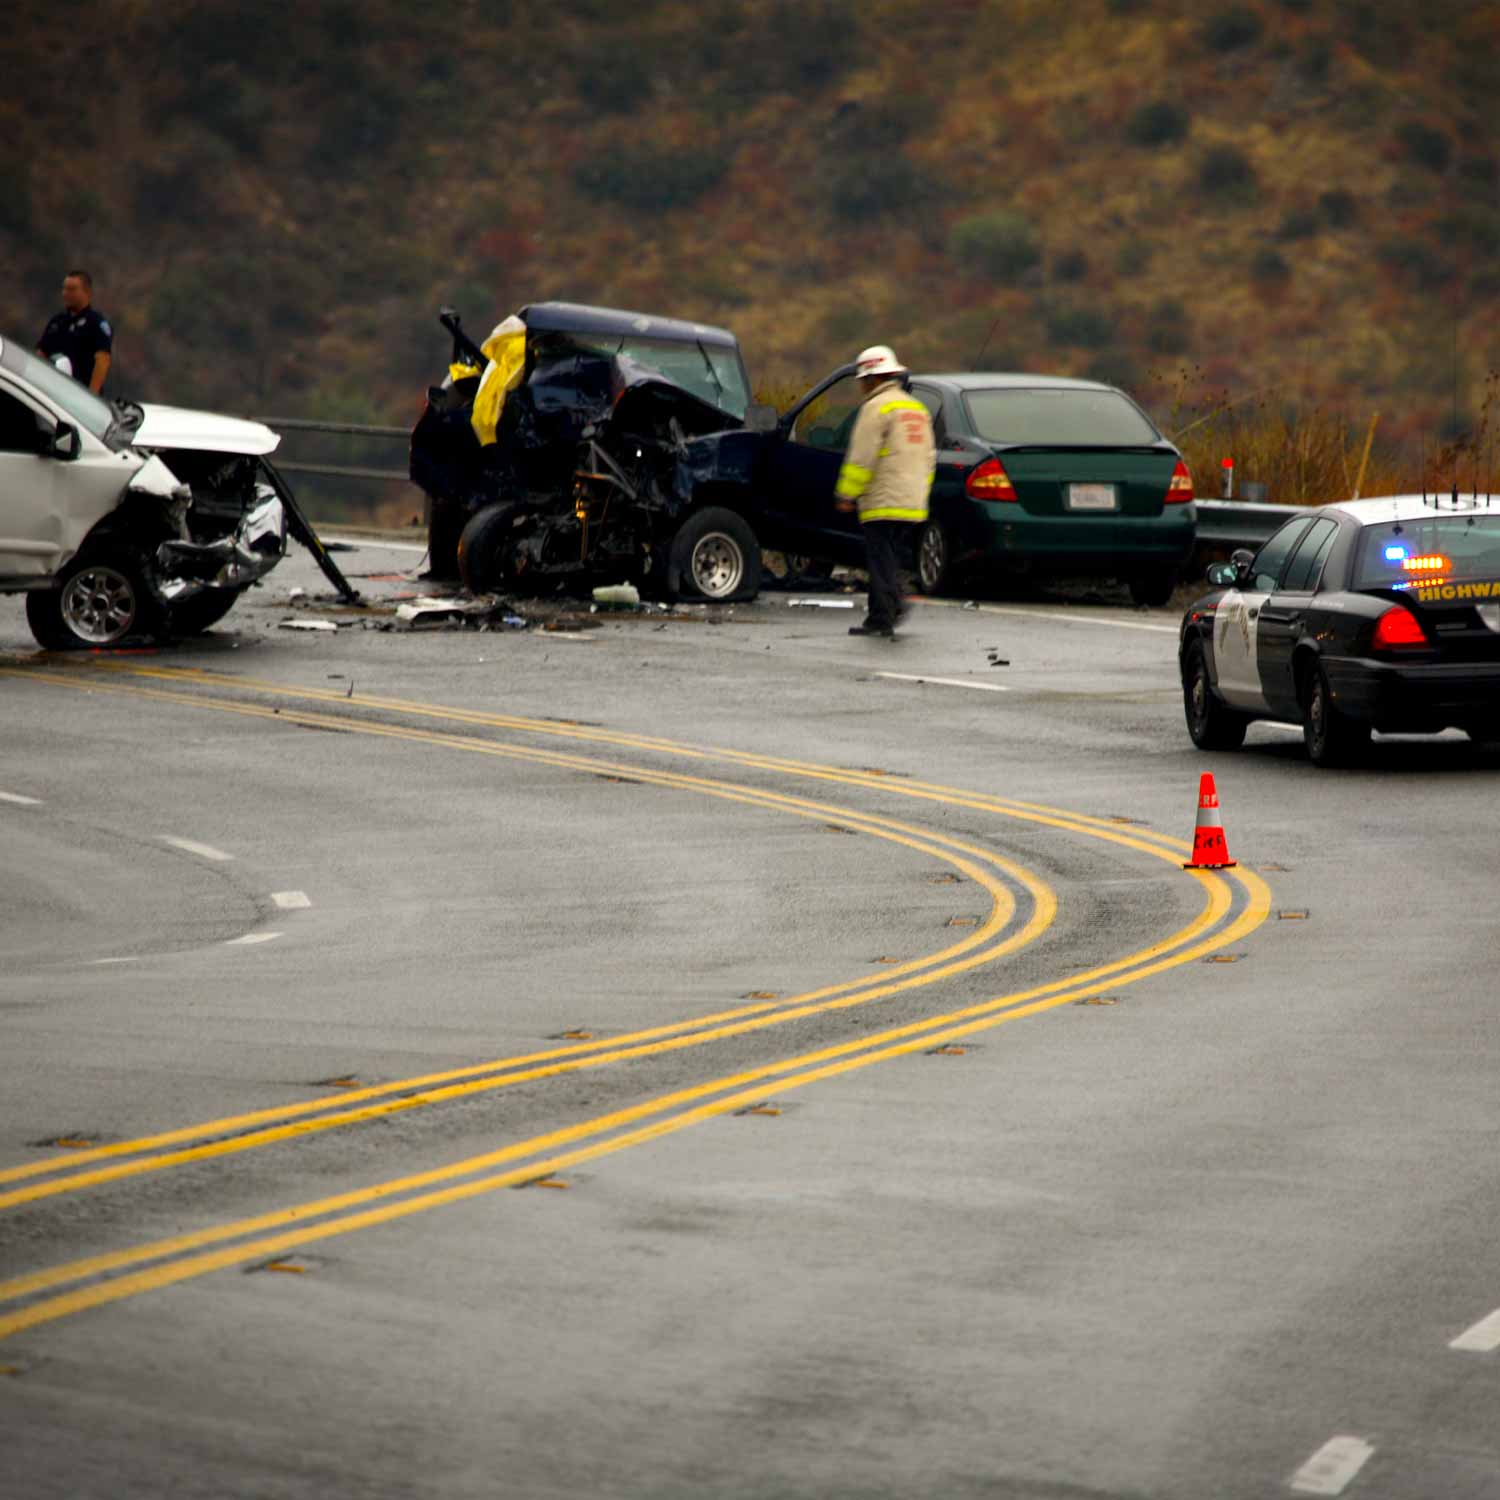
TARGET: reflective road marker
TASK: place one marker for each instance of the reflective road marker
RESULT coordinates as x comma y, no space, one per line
1483,1337
984,687
1331,1468
188,846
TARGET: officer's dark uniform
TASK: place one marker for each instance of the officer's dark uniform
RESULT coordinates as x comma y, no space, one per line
80,336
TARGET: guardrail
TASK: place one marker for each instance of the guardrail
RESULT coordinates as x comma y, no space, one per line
1239,523
338,429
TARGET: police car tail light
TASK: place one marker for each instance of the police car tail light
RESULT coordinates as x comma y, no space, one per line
1180,491
990,482
1396,629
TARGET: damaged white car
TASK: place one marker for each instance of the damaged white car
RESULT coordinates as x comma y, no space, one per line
119,520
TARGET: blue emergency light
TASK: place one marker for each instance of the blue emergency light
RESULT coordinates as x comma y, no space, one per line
1396,553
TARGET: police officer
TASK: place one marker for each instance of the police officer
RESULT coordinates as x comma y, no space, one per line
887,472
79,333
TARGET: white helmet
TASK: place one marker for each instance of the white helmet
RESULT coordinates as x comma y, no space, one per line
878,359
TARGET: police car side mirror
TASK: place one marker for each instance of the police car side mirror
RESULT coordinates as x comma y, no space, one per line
65,442
761,418
1221,575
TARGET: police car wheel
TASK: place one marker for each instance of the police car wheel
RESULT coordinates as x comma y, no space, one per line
101,599
934,559
1211,725
1331,738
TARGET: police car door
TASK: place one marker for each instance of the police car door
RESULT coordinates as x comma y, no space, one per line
1237,620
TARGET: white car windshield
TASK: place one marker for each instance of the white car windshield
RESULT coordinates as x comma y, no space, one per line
78,401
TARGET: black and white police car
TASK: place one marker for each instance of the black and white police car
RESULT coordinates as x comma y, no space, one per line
1379,614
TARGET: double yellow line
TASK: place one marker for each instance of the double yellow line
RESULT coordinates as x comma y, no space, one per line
165,1262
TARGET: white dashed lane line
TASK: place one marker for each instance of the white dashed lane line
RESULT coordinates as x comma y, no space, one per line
983,687
189,846
251,938
1069,617
19,800
1482,1338
291,900
1331,1468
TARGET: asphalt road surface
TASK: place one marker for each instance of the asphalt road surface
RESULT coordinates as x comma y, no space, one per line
715,1056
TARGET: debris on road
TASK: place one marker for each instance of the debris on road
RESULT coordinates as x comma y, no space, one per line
618,596
309,625
820,604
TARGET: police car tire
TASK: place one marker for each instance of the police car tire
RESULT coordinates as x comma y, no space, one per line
123,571
1212,724
1331,738
485,561
724,539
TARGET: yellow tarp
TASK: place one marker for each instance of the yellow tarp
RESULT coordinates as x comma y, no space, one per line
505,349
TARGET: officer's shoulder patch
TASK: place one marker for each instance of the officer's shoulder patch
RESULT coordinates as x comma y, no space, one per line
105,329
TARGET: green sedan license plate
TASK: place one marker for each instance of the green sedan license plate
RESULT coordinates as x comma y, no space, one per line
1092,497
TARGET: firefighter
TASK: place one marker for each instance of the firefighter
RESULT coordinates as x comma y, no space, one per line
887,472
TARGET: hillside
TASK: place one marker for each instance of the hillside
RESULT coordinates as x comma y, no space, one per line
1296,198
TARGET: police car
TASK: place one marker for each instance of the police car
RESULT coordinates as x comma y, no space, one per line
1379,614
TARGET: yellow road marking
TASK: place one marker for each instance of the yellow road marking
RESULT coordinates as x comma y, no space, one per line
815,1066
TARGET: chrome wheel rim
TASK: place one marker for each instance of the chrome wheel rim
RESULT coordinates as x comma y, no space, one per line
717,565
931,561
98,604
1198,698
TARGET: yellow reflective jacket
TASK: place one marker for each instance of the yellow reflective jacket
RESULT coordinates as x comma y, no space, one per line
890,461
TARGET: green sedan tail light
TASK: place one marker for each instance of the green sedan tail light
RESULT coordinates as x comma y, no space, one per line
1180,490
990,482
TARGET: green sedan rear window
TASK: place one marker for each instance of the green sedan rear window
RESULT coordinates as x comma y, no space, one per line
1068,419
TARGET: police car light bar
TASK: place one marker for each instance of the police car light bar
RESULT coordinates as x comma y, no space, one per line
1431,562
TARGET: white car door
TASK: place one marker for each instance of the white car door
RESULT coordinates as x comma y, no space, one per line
49,503
1237,618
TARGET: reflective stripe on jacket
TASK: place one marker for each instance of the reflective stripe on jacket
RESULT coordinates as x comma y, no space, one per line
890,461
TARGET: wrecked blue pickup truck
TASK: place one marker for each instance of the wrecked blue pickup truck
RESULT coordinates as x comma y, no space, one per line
586,444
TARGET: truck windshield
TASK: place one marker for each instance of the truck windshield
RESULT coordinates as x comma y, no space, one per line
1041,417
78,401
711,372
1433,550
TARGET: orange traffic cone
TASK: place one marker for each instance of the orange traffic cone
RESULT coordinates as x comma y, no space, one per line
1210,850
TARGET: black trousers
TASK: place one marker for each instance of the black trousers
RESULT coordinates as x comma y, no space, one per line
884,541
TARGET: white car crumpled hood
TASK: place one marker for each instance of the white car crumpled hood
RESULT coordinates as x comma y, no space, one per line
176,427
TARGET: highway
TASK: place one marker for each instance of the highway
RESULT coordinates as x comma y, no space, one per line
712,1055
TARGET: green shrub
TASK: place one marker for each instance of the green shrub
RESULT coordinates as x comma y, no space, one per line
1086,327
1339,208
611,78
1160,123
1070,265
1297,224
359,122
1231,28
1475,226
1414,261
1268,265
1168,329
652,179
1226,175
1424,145
1133,256
866,189
1001,244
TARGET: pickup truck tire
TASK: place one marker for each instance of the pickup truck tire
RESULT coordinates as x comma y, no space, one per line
714,556
194,616
485,557
101,599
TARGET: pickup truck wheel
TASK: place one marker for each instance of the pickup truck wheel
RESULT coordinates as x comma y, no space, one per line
1211,724
194,616
100,600
1331,738
715,556
485,549
934,559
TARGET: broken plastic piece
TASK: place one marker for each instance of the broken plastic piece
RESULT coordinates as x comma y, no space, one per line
820,604
308,625
618,595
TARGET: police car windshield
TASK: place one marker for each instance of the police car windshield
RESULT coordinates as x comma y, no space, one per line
78,401
712,373
1044,418
1436,549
